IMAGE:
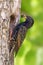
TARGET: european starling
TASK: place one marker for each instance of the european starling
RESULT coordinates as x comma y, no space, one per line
19,33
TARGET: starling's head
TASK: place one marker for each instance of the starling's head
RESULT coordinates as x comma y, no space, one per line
28,21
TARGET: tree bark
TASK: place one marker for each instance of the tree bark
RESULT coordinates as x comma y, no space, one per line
7,8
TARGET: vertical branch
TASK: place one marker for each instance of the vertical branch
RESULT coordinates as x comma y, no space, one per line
7,8
4,31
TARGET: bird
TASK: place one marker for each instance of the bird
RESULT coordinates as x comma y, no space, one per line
19,34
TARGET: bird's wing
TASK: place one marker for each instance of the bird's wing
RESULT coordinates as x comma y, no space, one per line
21,35
13,41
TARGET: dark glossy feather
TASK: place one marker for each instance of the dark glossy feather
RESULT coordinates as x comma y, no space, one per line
19,33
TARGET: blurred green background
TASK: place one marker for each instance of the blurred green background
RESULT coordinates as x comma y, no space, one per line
31,51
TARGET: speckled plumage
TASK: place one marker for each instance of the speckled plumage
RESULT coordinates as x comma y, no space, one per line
19,33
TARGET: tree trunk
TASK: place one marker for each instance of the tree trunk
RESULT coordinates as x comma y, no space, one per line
7,8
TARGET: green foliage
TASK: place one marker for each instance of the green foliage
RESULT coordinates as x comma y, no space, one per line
31,51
